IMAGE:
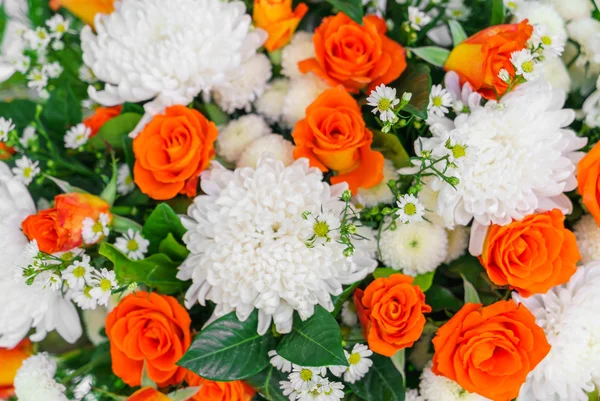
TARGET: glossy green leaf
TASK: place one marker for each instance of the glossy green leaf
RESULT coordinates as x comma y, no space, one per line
339,300
156,271
416,79
498,12
432,54
173,249
317,341
471,295
399,361
63,109
113,131
440,298
391,148
161,222
352,8
229,350
382,383
457,32
266,383
424,281
109,193
122,224
20,111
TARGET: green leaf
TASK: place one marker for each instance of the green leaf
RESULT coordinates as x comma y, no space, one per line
157,271
229,350
62,109
433,54
146,380
122,224
266,383
498,12
594,395
183,394
127,145
109,194
339,300
20,111
65,186
416,79
382,383
391,148
173,249
161,222
113,131
214,113
352,8
471,295
424,280
457,31
384,272
39,11
440,298
399,361
317,341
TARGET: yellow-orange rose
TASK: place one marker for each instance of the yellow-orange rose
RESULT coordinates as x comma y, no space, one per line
86,10
10,362
277,18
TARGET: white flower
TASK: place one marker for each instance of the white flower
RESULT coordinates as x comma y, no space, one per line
86,74
543,13
587,233
52,70
553,45
6,126
29,136
84,299
270,104
57,45
301,48
21,63
573,9
94,230
77,136
303,91
348,314
417,18
555,72
287,390
410,209
306,378
35,380
383,100
458,241
279,363
586,32
439,101
439,388
568,314
413,395
239,134
180,47
504,75
457,10
106,283
247,242
359,364
125,183
522,148
12,46
26,170
461,94
380,193
275,144
38,39
58,25
415,248
133,245
37,79
524,64
245,85
83,388
323,391
79,273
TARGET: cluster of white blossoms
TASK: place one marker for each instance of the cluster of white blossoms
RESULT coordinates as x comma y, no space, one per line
439,388
569,316
88,286
35,380
179,48
248,236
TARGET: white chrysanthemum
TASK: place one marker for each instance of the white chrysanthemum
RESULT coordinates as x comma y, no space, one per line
458,241
270,104
413,395
348,314
359,364
133,245
573,9
125,183
587,233
540,13
247,237
439,388
414,248
522,147
167,52
586,32
77,136
245,85
35,380
280,148
239,134
569,316
555,72
94,230
279,363
303,91
26,306
26,170
301,48
380,193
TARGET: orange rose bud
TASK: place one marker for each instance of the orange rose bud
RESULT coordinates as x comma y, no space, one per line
531,255
391,311
277,18
172,151
11,360
100,117
588,181
490,350
6,151
86,10
356,56
44,227
219,391
148,394
72,209
152,329
479,59
334,136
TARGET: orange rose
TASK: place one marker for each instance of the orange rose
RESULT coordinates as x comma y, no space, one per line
46,230
100,117
354,55
479,59
11,362
531,255
333,136
6,151
171,152
390,311
219,391
148,394
277,18
490,350
152,329
588,181
86,10
72,209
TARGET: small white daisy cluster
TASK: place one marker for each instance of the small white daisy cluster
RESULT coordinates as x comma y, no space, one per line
88,286
6,126
95,230
133,245
35,380
77,136
384,101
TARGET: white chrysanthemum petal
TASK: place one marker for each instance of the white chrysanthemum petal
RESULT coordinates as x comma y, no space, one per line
35,380
543,13
573,9
301,47
270,104
380,193
239,134
458,241
555,72
439,388
303,91
587,232
280,148
413,395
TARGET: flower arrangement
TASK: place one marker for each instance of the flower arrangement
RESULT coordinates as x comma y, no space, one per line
277,200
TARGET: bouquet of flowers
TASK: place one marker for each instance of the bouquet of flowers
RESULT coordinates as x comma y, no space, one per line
277,200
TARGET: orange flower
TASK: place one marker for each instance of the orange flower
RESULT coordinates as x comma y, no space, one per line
101,116
531,255
11,362
86,10
152,329
46,230
390,311
490,350
588,181
171,152
219,391
277,18
333,136
354,55
479,59
6,151
148,394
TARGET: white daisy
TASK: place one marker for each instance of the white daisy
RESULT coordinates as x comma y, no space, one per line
57,45
348,314
504,75
270,104
78,273
257,224
20,62
26,170
86,74
410,209
275,144
105,284
380,193
439,388
28,138
84,299
35,381
6,126
94,230
439,101
133,245
58,25
236,136
359,364
38,39
306,378
49,281
125,183
52,70
587,233
456,9
553,45
77,136
383,100
322,391
279,363
83,388
543,13
300,48
287,390
37,79
524,63
417,18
